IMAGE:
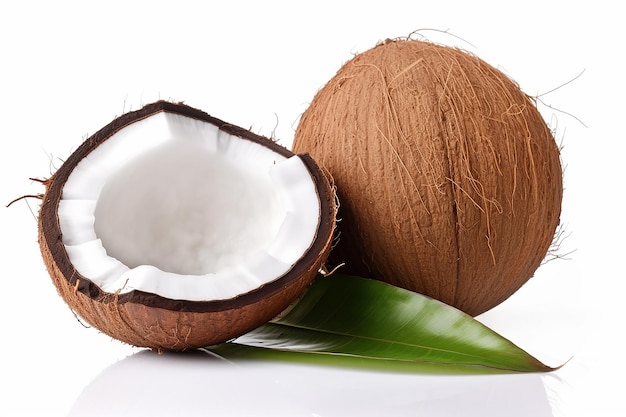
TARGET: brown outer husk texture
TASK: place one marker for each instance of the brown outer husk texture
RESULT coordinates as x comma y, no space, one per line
148,320
449,179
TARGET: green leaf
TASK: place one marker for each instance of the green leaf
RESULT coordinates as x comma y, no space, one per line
343,319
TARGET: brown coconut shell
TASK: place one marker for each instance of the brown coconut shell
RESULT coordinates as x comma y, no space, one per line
449,179
149,320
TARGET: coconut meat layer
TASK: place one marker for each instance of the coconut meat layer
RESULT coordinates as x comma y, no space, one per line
174,206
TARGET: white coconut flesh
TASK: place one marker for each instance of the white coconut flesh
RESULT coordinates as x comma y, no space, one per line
174,206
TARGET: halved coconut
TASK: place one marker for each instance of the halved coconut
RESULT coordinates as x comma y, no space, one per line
171,229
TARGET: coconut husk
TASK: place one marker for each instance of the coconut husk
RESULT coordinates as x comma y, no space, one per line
449,179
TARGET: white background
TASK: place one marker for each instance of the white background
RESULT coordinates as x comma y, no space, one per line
67,69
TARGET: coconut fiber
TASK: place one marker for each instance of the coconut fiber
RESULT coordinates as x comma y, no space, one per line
449,179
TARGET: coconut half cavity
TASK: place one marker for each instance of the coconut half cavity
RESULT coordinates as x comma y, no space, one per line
177,207
170,208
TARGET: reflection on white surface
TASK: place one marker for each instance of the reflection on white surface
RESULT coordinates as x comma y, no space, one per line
190,384
196,383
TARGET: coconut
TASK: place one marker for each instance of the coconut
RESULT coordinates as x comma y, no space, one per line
449,179
171,229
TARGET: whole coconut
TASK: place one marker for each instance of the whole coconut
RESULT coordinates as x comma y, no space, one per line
449,179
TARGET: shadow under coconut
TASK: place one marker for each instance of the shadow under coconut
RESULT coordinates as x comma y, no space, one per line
202,384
